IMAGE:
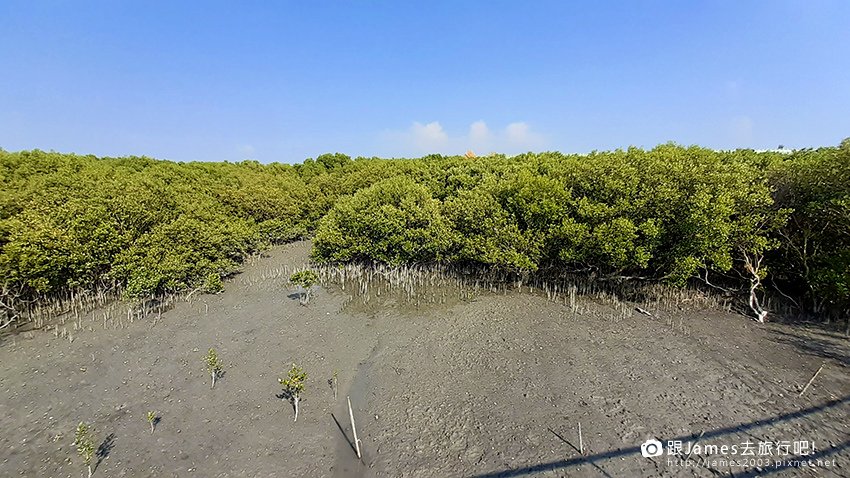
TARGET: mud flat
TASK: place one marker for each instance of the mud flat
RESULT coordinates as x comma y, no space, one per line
480,384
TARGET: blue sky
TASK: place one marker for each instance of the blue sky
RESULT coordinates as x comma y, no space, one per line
283,81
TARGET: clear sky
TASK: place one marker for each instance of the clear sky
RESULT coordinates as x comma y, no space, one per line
287,80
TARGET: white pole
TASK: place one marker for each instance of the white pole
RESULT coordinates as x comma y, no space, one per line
580,441
811,380
353,428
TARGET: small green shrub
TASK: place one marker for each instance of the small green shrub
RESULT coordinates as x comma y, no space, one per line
305,279
213,364
151,418
85,445
293,385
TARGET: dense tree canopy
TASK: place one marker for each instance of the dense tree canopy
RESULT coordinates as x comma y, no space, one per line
673,213
137,224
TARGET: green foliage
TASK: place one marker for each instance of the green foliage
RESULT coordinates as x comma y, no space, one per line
277,231
147,227
150,416
213,284
393,221
213,363
304,278
814,253
84,443
293,384
143,226
668,212
484,232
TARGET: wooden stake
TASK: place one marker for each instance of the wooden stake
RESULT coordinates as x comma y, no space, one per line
811,380
353,428
580,441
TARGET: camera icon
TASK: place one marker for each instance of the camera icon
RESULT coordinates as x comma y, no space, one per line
651,448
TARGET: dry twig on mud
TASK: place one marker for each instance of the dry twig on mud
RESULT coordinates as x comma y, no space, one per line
644,312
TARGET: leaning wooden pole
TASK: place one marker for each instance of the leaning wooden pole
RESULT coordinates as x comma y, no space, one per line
580,441
811,380
353,428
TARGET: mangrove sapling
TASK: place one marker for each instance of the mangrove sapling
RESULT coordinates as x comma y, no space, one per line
305,279
293,385
151,417
213,365
84,444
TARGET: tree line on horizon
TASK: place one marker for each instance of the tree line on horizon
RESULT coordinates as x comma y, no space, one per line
773,220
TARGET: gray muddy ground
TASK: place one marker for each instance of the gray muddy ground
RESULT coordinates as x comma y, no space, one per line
476,385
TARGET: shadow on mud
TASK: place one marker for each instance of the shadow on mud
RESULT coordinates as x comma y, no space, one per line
832,347
635,450
342,431
104,449
347,464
